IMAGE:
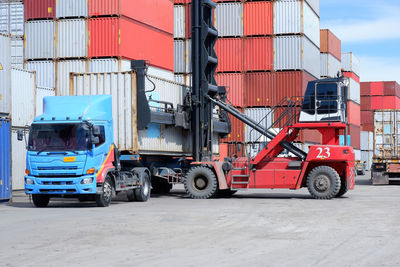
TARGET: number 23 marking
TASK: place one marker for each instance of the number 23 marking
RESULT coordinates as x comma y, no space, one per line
321,154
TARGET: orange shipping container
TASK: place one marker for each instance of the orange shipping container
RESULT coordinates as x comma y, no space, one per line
258,54
126,38
237,132
234,83
155,13
259,89
331,44
230,54
290,84
353,113
258,18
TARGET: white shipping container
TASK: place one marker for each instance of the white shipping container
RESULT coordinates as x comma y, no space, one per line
296,53
367,140
157,138
71,8
45,72
23,97
18,161
72,38
185,79
64,68
296,17
254,149
40,39
357,154
179,22
109,65
12,18
229,19
264,117
314,4
351,63
182,56
159,73
42,92
17,53
367,157
330,66
354,91
5,74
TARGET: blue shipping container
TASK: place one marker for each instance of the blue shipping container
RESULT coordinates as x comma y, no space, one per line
341,140
5,159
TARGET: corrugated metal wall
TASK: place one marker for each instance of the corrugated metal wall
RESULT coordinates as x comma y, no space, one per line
71,8
64,68
72,38
264,117
179,21
45,72
17,53
40,39
351,63
12,18
5,74
330,66
229,19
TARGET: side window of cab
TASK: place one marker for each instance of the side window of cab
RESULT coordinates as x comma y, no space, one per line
102,136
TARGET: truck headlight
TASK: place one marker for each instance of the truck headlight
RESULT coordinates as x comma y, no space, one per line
87,181
29,181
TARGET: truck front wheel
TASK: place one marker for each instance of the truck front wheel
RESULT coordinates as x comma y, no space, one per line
104,198
40,201
323,182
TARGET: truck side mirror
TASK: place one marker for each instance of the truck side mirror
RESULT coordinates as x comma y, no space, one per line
20,135
96,131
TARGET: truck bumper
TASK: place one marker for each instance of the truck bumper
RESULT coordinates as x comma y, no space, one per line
60,185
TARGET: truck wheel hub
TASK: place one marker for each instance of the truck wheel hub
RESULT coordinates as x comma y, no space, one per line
200,183
322,183
107,190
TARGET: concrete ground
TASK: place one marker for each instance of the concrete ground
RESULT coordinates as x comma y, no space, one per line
255,228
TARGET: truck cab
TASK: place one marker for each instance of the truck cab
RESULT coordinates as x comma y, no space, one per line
71,153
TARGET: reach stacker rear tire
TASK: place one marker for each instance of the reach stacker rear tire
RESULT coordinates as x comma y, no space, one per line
323,182
40,201
200,183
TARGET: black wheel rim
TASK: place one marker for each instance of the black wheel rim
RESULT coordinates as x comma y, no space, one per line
322,183
200,183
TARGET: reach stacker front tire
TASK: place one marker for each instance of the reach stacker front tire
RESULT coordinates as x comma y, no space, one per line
323,182
143,193
200,183
40,201
343,189
104,198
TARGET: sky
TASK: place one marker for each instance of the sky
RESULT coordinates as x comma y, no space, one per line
371,30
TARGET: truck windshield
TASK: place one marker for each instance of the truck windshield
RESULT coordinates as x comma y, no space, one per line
59,137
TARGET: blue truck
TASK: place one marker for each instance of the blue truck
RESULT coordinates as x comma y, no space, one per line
71,152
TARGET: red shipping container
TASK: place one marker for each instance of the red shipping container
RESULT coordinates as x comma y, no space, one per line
40,9
331,44
237,132
258,18
289,84
367,127
155,13
258,54
126,38
353,113
367,116
376,88
182,1
377,102
351,75
391,89
354,132
234,83
230,54
365,89
259,88
188,21
365,103
385,102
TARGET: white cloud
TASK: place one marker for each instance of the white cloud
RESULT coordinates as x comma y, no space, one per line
380,69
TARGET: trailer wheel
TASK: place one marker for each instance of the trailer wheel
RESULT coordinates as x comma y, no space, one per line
104,198
131,195
343,189
323,182
200,183
40,201
143,193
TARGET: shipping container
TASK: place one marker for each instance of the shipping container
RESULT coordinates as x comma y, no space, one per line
365,102
42,92
229,19
179,22
374,88
234,83
367,141
5,160
354,91
17,53
182,56
263,117
23,97
351,63
369,127
12,18
290,84
354,132
126,38
237,133
72,38
258,54
185,79
157,14
331,44
367,116
357,154
5,74
253,149
296,17
353,113
385,102
109,65
40,39
18,159
296,53
391,89
64,69
122,86
351,75
230,54
45,72
367,157
259,89
258,18
365,89
387,134
330,66
71,8
40,9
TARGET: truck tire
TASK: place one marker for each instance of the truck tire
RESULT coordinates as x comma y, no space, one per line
200,183
131,195
343,189
142,194
104,198
160,186
323,182
40,201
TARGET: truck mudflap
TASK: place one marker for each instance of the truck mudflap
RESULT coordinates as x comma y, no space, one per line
380,178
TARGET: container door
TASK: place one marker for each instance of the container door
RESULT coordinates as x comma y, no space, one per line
5,162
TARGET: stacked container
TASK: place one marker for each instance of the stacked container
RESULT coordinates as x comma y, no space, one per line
67,36
331,54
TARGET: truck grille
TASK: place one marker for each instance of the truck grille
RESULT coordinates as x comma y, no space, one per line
63,168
